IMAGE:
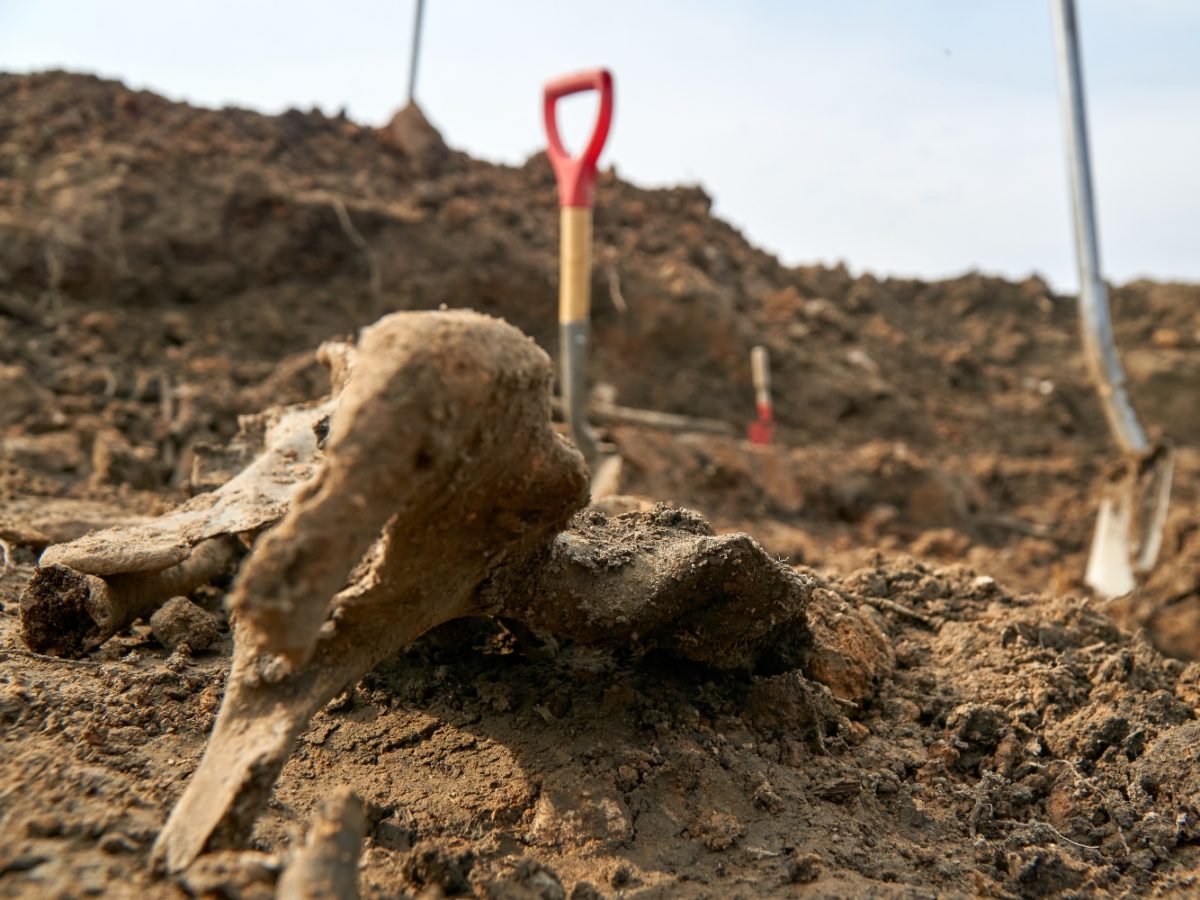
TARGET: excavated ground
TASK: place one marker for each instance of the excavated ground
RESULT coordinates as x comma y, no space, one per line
165,269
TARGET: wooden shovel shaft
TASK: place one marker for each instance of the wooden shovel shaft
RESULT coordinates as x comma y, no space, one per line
760,371
575,265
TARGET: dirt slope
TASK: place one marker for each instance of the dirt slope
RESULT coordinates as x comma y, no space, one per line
164,269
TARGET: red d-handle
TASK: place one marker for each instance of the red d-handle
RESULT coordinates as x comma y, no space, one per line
577,177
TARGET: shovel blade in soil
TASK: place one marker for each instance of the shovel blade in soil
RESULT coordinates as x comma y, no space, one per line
1155,493
1129,527
1109,572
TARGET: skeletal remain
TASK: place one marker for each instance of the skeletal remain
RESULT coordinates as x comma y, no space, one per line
257,496
326,867
67,612
441,441
658,580
444,492
87,590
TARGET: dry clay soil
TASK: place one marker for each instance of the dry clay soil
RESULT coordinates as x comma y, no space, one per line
165,269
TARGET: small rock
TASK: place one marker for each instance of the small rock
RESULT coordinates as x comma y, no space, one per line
248,875
180,621
115,842
14,700
719,830
803,868
980,725
849,654
429,865
529,881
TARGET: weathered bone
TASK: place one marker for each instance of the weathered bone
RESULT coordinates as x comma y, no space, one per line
326,867
442,493
87,590
658,579
67,612
256,497
442,441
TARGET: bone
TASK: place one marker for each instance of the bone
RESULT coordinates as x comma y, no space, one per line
445,492
442,441
717,600
254,498
86,590
326,867
65,612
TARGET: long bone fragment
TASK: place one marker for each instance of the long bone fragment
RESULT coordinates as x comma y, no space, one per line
441,442
443,493
659,580
67,612
326,866
87,590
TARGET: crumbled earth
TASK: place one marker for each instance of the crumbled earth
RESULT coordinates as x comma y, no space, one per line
165,269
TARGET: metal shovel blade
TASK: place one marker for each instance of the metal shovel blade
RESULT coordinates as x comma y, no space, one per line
1154,476
1130,524
1109,572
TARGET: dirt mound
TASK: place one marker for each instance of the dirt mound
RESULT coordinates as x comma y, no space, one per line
165,270
1022,747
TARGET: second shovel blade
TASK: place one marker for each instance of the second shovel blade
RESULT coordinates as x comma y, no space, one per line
1153,491
1109,572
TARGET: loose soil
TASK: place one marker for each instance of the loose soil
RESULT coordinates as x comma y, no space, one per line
165,270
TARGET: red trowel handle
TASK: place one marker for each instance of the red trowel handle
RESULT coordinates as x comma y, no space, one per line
577,177
763,430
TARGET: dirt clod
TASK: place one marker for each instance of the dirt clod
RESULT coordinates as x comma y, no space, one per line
180,621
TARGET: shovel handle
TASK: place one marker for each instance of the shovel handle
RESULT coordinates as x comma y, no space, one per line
760,371
576,176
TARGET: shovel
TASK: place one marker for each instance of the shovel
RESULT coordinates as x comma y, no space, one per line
762,430
1133,511
576,177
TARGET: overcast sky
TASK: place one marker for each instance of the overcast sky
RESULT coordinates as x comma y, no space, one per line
918,138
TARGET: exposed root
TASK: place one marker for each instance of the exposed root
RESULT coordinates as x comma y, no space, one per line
355,237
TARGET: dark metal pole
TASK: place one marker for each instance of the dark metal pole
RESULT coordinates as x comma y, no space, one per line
416,52
1099,345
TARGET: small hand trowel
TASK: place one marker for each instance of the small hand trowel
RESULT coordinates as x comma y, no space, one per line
762,430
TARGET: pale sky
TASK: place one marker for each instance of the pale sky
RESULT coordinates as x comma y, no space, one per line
911,137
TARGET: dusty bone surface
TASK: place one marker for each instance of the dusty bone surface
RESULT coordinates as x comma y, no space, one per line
440,470
67,612
256,496
88,589
659,579
442,492
326,866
